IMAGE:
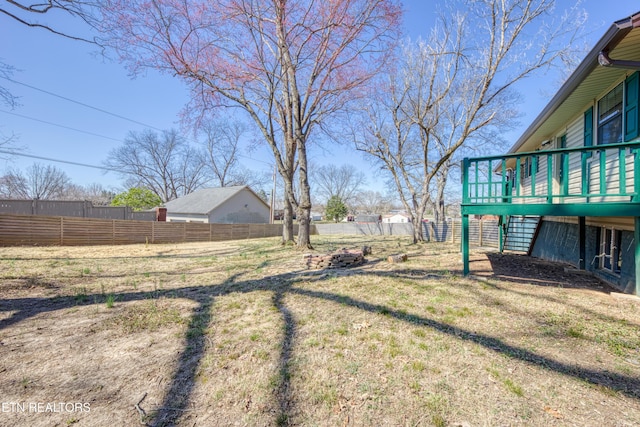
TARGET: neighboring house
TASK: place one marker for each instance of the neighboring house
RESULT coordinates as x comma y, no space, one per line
569,188
397,218
226,205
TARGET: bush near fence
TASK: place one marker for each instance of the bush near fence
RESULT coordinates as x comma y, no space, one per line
30,230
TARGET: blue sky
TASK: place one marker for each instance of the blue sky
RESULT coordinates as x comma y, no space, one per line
73,70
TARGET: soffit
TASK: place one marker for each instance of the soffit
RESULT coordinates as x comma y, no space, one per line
597,82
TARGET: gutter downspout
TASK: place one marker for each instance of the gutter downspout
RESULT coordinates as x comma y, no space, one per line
606,61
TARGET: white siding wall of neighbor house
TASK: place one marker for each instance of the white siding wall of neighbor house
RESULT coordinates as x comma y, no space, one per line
396,219
242,208
180,217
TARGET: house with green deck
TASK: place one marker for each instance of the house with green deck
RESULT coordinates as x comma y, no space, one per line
569,188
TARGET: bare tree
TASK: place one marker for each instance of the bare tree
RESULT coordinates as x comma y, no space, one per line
372,202
164,163
30,13
289,65
221,142
37,182
95,193
6,97
457,89
343,182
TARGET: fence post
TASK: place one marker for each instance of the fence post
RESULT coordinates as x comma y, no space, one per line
453,230
61,231
465,244
480,232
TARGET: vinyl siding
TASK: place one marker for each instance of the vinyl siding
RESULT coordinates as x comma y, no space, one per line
574,139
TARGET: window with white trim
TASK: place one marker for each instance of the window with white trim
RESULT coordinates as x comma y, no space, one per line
610,116
610,250
616,115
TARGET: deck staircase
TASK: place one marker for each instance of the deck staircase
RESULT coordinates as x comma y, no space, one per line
521,233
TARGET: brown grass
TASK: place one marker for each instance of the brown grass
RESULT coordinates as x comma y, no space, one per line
240,333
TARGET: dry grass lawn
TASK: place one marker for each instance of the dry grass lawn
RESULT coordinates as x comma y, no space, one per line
240,333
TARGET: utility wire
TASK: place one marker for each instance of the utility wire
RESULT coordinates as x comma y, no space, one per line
103,136
13,153
82,104
82,131
60,126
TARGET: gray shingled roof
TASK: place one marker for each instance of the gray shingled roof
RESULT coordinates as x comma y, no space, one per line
203,201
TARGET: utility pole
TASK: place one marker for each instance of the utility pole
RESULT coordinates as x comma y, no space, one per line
273,196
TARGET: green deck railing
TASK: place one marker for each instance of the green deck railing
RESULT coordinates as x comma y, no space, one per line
583,175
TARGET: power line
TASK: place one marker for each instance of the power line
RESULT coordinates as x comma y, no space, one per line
13,153
82,104
255,160
60,126
103,136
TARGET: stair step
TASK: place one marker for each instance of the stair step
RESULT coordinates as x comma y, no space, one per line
521,231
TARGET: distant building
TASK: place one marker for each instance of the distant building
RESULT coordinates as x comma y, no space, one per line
396,218
225,205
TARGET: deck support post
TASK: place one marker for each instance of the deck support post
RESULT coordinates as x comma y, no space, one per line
502,226
465,244
636,242
582,242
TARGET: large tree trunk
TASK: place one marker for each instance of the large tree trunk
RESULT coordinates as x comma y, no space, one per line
287,220
416,219
304,208
438,205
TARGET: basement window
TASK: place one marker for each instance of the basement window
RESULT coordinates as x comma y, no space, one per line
610,253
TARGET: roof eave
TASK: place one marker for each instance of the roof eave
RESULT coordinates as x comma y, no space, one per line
609,40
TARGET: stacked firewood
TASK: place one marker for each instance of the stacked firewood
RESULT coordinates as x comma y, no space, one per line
339,259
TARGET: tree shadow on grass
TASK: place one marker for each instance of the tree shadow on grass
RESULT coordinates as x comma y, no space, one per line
180,390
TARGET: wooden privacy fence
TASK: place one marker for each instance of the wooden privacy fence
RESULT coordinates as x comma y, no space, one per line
18,230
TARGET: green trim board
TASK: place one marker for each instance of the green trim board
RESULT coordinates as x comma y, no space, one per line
636,238
631,110
591,177
555,209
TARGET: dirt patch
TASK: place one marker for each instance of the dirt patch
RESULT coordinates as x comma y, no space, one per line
241,333
525,269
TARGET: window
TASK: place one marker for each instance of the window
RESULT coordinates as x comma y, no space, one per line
611,253
527,168
610,117
617,114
